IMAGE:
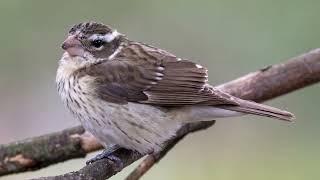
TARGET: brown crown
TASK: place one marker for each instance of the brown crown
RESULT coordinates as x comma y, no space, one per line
90,28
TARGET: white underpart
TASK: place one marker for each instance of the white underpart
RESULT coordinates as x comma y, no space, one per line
203,113
141,127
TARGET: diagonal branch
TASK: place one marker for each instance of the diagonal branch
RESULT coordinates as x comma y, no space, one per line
42,151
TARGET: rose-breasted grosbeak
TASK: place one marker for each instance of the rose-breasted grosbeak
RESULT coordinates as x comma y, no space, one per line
135,96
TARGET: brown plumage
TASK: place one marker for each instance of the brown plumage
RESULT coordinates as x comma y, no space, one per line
141,73
136,95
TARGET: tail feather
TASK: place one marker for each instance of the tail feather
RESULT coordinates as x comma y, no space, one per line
251,107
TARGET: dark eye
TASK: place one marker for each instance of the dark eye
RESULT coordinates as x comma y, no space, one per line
97,43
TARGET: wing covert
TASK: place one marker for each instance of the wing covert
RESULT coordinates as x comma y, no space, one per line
145,74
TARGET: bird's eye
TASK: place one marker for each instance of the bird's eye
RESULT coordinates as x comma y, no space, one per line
97,43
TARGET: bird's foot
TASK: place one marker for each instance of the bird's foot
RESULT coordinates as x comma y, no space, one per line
107,154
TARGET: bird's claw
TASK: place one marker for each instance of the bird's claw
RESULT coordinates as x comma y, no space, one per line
107,154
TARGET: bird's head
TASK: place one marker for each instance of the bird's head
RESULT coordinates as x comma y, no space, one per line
91,42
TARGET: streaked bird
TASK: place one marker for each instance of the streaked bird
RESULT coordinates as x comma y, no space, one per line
135,96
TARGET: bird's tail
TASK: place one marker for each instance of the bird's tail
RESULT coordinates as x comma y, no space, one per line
250,107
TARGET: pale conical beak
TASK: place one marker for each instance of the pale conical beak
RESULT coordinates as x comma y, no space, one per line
73,46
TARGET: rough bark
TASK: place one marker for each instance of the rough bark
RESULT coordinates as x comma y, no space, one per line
39,152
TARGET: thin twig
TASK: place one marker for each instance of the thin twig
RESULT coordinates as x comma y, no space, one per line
143,167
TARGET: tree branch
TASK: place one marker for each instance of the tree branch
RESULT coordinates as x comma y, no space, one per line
71,143
39,152
276,80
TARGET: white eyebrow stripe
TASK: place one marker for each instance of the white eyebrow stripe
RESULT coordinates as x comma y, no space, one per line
95,36
110,37
107,37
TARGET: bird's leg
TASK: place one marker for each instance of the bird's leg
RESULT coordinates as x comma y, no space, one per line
107,153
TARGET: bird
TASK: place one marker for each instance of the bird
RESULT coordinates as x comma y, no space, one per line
135,96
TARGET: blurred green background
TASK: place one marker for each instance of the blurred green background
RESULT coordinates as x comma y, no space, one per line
231,38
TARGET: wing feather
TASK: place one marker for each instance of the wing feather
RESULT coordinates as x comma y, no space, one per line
153,76
145,74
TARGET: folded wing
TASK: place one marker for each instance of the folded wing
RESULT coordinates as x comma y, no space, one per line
148,75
